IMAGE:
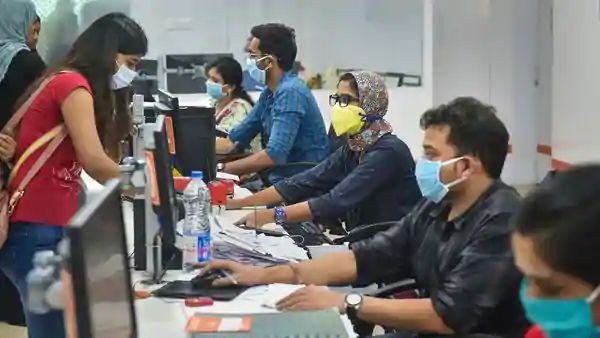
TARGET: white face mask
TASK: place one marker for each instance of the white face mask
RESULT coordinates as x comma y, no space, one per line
123,77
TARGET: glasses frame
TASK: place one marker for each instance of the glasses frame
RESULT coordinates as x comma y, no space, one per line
342,99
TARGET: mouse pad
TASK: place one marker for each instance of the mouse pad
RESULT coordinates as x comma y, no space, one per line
184,289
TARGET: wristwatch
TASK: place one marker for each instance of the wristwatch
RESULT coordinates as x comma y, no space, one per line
220,166
279,215
353,303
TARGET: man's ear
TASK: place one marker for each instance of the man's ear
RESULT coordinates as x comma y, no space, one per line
271,61
473,165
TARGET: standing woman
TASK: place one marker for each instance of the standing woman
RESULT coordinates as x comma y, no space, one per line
20,65
86,94
232,102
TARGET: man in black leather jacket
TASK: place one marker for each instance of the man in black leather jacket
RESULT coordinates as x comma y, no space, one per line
455,243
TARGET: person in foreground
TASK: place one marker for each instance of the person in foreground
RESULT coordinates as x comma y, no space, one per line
371,179
286,114
455,243
556,243
88,94
232,102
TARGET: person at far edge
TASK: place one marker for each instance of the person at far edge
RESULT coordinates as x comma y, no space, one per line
286,114
455,243
20,65
369,180
556,241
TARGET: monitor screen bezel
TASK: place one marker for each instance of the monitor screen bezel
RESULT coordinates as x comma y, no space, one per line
109,197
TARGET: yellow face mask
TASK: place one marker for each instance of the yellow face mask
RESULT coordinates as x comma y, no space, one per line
347,120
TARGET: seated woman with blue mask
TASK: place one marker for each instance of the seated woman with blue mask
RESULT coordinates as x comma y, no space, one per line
232,102
556,244
368,180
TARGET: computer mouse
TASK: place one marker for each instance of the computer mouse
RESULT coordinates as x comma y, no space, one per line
205,281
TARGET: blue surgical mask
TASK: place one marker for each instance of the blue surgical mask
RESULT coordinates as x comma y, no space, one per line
562,318
214,90
259,75
428,179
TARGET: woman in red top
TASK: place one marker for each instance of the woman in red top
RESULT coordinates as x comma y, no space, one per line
88,93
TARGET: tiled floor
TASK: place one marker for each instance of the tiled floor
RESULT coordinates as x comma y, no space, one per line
7,331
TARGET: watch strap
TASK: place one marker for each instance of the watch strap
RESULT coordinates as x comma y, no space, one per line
279,215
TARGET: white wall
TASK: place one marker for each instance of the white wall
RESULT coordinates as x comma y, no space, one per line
406,104
545,52
576,81
380,35
486,49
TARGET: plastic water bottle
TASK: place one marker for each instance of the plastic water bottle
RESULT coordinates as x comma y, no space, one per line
196,225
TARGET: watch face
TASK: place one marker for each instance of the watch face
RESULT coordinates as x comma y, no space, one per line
353,299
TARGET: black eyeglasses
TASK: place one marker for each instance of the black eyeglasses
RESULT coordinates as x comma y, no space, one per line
342,99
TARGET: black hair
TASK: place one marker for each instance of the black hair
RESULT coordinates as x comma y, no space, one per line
278,40
474,130
94,55
352,81
37,19
562,217
232,74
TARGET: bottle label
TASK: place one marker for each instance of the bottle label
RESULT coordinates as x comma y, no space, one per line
190,250
204,252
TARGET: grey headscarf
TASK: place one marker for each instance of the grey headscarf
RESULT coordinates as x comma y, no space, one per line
16,16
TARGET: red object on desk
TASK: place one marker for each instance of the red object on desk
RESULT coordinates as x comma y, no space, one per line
198,302
218,193
230,186
535,332
181,183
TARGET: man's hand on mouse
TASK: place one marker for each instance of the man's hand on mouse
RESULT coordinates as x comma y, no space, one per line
239,274
256,219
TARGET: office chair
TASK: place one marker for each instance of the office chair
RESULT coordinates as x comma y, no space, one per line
364,232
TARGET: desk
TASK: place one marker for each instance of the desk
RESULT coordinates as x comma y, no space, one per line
160,318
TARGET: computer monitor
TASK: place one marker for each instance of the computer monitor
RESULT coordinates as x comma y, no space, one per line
164,200
168,101
146,83
185,73
195,135
99,268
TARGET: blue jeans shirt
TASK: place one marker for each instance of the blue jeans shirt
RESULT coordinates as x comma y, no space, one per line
291,126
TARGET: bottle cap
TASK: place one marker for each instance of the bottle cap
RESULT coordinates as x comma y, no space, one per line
197,174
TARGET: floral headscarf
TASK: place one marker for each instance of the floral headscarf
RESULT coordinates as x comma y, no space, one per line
373,99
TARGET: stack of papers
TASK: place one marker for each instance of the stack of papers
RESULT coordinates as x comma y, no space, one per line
245,246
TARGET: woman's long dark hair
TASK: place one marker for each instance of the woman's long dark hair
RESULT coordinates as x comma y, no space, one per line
231,72
94,55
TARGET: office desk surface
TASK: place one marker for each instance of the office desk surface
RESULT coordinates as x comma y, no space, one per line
167,318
